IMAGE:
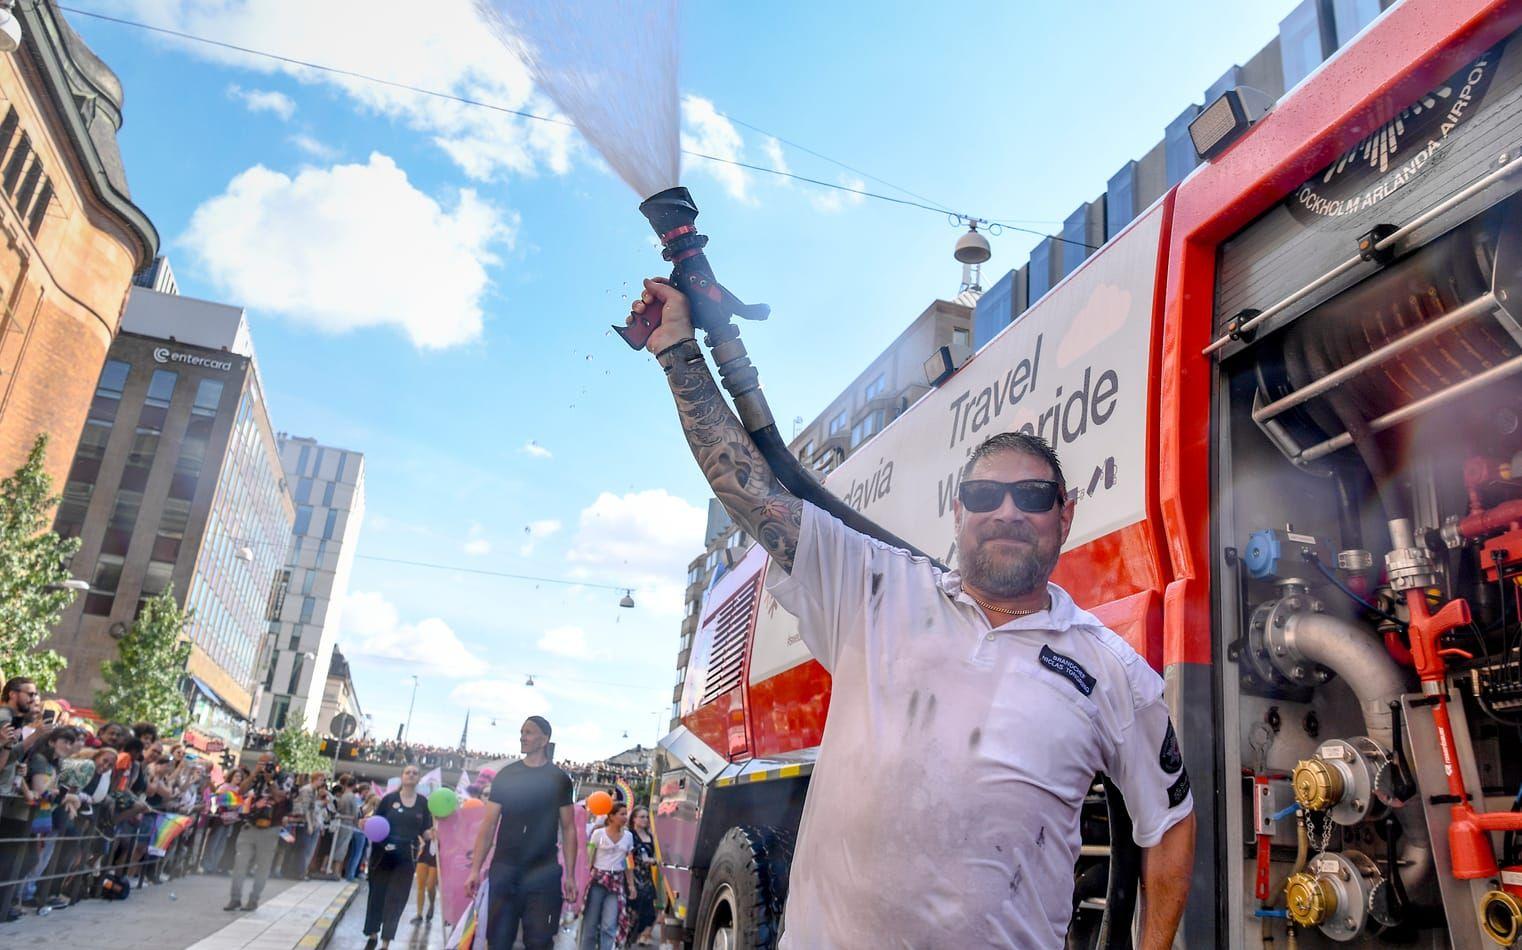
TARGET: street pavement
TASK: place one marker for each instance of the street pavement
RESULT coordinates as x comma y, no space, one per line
158,917
409,936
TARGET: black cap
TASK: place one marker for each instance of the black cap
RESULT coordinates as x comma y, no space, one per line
542,723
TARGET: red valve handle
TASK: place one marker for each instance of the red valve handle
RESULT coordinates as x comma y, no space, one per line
636,331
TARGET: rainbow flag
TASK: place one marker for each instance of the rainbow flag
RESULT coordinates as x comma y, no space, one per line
228,800
169,828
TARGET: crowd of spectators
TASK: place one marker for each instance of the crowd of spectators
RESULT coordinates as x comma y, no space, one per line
97,811
388,751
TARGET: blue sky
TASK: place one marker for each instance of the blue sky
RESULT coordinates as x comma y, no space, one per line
431,284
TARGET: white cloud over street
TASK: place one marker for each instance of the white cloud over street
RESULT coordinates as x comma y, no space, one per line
264,100
709,133
642,539
314,247
446,49
373,627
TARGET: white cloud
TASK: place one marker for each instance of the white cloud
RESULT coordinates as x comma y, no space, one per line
831,201
640,539
509,700
264,100
709,133
536,450
476,543
352,246
314,148
372,626
448,50
536,531
570,642
774,156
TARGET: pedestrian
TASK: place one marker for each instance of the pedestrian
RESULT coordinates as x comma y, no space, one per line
359,845
612,882
641,910
406,811
981,701
427,874
269,804
226,818
530,805
52,804
311,807
346,813
17,698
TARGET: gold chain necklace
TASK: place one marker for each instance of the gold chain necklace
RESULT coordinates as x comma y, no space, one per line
1000,610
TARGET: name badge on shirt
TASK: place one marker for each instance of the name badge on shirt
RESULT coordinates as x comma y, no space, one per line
1068,668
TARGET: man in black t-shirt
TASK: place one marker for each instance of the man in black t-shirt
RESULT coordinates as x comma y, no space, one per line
530,806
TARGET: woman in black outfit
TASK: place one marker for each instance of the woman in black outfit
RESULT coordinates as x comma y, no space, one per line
642,908
391,861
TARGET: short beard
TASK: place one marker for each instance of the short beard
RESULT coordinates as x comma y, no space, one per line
1014,578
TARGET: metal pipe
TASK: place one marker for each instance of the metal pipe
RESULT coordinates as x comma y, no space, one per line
1388,241
1339,376
1347,649
1397,416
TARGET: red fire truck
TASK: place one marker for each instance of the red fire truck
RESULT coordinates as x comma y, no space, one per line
1289,398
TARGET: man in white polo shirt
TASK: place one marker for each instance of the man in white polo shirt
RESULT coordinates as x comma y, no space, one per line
969,709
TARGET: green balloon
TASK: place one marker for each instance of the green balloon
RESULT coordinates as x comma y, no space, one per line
443,803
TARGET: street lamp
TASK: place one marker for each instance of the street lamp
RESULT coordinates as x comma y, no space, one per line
73,584
407,729
627,600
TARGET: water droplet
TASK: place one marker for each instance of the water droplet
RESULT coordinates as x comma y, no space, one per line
589,356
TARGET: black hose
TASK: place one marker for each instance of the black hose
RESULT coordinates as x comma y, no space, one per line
1349,507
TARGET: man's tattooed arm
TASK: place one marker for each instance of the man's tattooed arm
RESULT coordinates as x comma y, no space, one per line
740,476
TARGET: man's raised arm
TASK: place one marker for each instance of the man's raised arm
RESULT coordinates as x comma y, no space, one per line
739,475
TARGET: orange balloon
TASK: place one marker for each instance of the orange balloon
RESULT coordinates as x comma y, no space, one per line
473,803
599,803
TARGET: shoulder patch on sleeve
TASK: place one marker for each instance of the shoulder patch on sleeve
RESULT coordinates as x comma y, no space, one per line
1178,791
1169,756
1069,668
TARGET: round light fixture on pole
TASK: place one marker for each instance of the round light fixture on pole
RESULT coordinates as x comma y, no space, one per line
972,247
10,28
529,681
627,600
245,554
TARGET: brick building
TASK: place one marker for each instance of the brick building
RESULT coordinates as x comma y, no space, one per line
70,236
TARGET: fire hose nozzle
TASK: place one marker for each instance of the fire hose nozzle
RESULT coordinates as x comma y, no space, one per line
673,216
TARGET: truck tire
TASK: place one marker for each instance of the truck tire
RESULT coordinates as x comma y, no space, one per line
740,909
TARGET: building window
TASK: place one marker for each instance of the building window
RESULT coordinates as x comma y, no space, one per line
308,608
297,663
157,577
123,518
17,164
327,530
1179,156
208,397
308,581
278,712
303,491
28,188
870,425
327,494
875,387
1120,200
108,573
277,595
1040,269
1304,41
1075,239
1352,16
961,336
39,210
303,519
838,424
808,451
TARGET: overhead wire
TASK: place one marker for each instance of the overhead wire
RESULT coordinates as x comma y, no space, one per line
489,573
922,202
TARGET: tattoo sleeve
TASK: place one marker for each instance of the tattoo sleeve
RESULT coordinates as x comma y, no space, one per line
739,475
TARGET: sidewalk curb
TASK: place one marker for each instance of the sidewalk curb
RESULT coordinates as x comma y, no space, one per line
322,930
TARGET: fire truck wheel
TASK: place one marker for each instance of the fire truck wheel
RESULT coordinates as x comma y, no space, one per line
740,910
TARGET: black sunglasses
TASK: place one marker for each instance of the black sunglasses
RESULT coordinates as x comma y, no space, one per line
1033,495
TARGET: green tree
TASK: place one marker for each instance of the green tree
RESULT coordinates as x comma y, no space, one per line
297,749
32,559
145,681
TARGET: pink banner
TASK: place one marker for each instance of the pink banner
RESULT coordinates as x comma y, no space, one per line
457,836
